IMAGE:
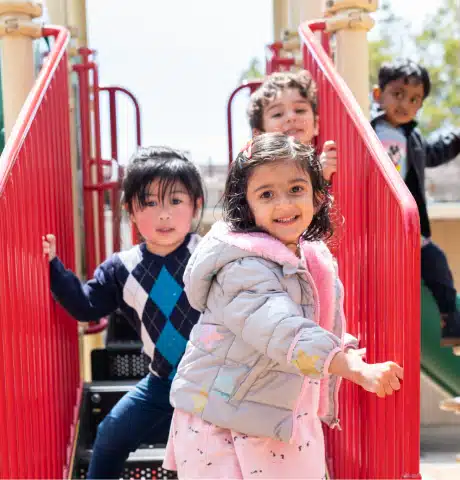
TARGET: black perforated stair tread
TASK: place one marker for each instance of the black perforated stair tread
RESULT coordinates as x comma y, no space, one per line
119,362
144,464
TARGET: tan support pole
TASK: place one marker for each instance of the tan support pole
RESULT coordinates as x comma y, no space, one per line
77,20
312,9
303,10
57,12
280,18
298,12
17,32
350,20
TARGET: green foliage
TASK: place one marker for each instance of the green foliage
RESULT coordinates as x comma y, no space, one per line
253,72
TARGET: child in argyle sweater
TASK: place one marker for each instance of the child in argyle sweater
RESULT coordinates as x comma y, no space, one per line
163,193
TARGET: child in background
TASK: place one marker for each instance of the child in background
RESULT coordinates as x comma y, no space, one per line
163,193
287,102
403,86
264,362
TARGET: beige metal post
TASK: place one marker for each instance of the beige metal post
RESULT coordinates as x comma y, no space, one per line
76,17
280,18
311,9
57,12
302,10
350,20
17,32
76,21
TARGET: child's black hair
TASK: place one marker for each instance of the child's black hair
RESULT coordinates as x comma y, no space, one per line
407,70
277,82
164,164
272,148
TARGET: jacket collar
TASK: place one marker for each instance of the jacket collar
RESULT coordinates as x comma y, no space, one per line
379,114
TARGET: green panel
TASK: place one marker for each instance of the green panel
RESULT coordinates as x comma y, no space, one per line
438,362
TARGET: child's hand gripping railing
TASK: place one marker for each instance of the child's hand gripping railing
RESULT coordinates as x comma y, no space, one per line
378,250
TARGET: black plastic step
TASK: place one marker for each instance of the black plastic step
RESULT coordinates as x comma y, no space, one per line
120,330
144,464
98,399
123,361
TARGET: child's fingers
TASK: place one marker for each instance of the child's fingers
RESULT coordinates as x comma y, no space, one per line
387,389
329,145
399,371
380,391
396,369
51,238
395,384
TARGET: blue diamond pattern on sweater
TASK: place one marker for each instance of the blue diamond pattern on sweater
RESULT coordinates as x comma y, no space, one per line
171,344
165,292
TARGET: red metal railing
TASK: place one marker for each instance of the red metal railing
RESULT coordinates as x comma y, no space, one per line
115,198
94,185
275,62
379,256
252,87
40,387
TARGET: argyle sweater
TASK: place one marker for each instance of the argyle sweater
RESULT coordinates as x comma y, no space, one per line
147,288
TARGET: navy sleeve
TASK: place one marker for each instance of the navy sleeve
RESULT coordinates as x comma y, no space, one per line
85,301
442,148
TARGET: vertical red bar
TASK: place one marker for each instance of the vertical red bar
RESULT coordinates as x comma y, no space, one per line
98,161
85,126
115,192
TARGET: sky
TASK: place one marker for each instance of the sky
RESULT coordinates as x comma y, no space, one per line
182,59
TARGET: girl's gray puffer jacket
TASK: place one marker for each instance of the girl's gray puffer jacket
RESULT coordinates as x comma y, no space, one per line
270,325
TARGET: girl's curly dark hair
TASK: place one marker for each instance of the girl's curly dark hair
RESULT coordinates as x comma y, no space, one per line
272,148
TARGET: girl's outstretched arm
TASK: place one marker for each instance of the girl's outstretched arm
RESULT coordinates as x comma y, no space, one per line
257,308
379,378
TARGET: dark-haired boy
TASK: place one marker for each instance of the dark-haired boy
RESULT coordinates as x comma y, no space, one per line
403,86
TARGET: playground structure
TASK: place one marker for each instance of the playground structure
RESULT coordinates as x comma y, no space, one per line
54,131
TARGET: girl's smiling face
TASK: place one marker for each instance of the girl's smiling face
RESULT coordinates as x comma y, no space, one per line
280,197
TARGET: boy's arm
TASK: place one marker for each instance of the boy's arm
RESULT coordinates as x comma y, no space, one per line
85,302
442,149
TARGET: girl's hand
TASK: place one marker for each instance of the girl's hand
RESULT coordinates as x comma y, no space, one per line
380,378
49,246
328,159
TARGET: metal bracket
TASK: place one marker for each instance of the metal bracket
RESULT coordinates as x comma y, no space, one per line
333,6
349,20
17,27
18,7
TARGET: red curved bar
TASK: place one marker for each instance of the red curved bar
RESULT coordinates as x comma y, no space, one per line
254,85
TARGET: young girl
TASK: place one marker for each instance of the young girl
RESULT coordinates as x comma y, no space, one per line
264,361
163,193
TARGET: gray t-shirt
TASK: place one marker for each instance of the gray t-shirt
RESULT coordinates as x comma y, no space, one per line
395,144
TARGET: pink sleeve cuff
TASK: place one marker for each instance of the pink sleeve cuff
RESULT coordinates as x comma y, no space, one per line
329,359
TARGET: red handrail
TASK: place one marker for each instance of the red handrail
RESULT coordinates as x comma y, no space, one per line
115,198
93,163
40,388
252,86
379,258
